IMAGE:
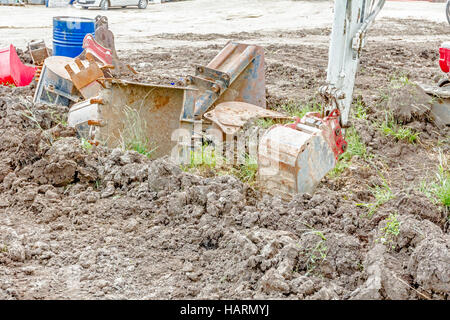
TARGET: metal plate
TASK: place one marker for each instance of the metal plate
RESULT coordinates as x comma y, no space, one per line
232,115
56,64
440,109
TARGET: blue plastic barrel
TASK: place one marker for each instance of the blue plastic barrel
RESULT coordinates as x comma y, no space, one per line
68,35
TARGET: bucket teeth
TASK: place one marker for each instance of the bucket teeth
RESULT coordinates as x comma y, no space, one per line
85,80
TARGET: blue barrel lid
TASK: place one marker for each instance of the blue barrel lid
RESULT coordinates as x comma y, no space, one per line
73,19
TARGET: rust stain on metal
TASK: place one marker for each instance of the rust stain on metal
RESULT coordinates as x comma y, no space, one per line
96,123
161,101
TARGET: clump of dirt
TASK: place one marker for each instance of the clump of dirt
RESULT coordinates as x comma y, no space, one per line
408,103
429,264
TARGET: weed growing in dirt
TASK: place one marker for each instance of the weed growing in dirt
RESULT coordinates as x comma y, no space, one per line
206,156
293,109
140,147
442,185
205,159
399,81
438,190
298,110
384,96
265,123
443,190
31,116
247,171
86,144
359,110
382,195
97,184
317,254
390,127
57,117
134,137
390,231
355,148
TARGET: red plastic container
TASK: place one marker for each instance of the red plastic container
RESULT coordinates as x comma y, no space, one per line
444,57
12,70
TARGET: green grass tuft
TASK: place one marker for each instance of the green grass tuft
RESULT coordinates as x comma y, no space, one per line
247,172
390,231
133,137
295,109
205,156
382,195
355,148
206,160
438,191
390,127
359,110
265,123
398,81
317,254
86,144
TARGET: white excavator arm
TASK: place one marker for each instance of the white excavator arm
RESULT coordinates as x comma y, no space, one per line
352,19
294,158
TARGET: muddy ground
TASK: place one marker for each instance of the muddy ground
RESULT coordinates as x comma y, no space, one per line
95,223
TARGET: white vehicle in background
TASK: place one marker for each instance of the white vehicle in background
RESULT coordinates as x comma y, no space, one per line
106,4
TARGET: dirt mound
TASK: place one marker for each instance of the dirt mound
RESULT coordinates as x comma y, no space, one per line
408,102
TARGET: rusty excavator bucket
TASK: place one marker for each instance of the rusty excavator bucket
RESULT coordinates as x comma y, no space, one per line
294,158
233,80
125,112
